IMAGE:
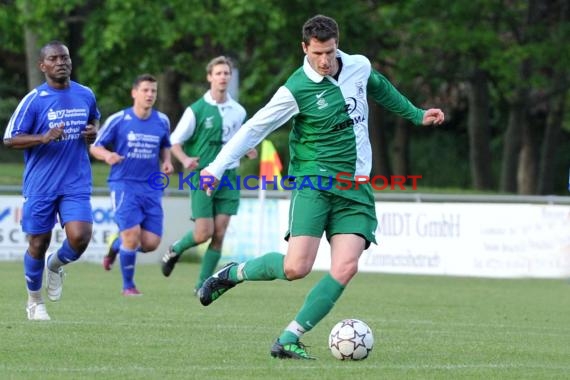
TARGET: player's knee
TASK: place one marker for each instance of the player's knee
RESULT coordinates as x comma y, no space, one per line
38,247
202,236
296,272
149,247
345,273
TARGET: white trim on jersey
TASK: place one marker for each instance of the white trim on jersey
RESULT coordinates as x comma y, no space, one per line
27,101
107,126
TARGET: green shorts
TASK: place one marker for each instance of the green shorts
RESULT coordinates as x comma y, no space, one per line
313,212
224,200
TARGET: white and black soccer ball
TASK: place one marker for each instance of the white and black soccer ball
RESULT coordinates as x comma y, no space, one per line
351,339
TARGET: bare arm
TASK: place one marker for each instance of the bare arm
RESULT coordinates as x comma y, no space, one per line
103,154
24,141
187,162
167,167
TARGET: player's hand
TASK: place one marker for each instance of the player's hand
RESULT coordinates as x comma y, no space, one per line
54,134
208,182
89,134
251,154
167,167
114,158
191,163
433,116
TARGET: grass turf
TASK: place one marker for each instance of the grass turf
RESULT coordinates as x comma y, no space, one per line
424,327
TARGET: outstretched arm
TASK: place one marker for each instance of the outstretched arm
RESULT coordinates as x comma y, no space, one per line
433,116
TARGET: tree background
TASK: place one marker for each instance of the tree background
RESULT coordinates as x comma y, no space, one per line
498,68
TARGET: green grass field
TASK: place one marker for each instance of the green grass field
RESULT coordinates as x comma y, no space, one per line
425,328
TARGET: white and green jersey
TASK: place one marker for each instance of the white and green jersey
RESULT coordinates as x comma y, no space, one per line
330,120
206,126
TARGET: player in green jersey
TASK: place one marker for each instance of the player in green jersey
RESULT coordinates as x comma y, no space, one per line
205,126
327,100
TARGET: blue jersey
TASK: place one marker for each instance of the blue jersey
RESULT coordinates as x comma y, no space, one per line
139,142
59,167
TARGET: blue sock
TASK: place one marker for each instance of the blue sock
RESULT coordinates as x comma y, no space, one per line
33,271
66,254
128,260
116,245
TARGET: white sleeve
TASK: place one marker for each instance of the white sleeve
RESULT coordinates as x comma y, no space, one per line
274,114
185,128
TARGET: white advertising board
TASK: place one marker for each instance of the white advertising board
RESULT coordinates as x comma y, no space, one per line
458,239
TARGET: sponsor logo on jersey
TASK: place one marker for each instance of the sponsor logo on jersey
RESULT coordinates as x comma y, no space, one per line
209,122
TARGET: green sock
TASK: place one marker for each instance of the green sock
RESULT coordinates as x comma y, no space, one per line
264,268
209,263
319,302
183,244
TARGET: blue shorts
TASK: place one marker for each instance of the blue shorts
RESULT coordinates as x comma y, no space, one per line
138,208
39,213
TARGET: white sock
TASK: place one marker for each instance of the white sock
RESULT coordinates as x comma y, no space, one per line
35,296
296,329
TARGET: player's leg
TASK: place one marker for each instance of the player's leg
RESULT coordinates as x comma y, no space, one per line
213,253
202,210
114,240
129,214
113,244
152,224
345,252
350,229
76,217
309,210
131,238
38,219
226,204
34,264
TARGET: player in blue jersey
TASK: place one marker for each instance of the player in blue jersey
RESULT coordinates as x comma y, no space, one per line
54,124
140,140
327,100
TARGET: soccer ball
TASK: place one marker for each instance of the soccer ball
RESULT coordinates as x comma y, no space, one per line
351,339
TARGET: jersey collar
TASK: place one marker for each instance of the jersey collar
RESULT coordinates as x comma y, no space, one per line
210,100
312,74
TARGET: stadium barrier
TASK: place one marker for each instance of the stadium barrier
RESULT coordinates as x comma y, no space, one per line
433,234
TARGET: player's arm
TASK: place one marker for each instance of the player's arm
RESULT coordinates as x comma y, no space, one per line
103,154
274,114
24,140
183,132
90,132
385,94
106,137
380,88
187,162
166,160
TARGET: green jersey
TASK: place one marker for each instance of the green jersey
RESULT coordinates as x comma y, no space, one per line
206,126
330,119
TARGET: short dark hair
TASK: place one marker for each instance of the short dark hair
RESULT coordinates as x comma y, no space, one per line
321,27
43,50
143,78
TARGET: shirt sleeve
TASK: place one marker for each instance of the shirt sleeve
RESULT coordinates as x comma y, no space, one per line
385,94
106,135
274,114
185,127
22,121
165,142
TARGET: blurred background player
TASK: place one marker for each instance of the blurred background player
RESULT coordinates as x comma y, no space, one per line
140,139
327,99
205,126
54,124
